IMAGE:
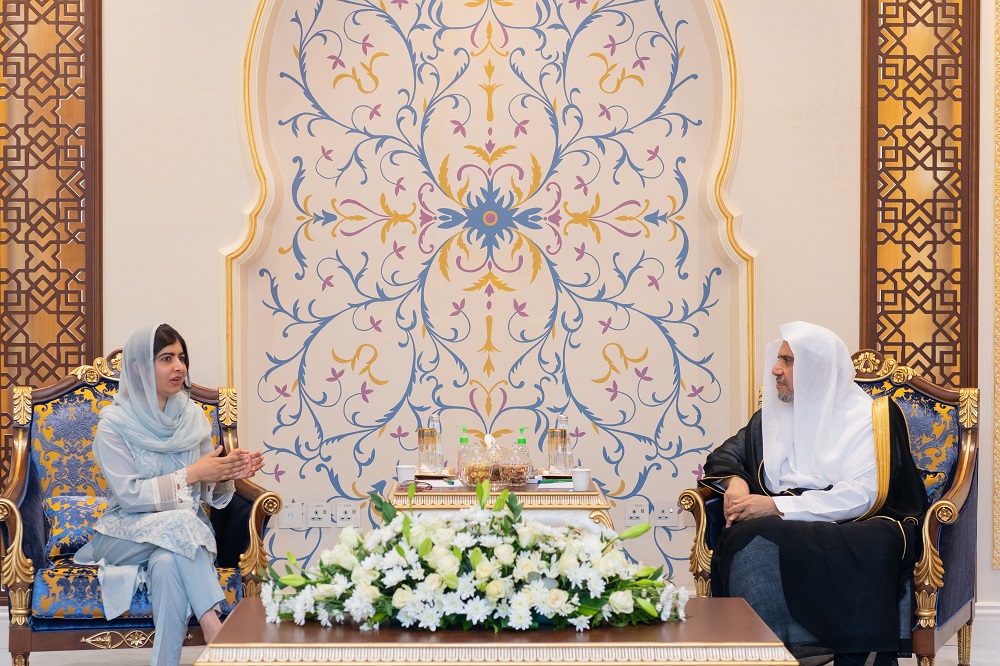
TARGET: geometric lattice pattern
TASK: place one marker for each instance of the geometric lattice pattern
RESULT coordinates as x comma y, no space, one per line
922,150
45,311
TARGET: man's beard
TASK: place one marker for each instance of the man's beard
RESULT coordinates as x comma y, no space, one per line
786,397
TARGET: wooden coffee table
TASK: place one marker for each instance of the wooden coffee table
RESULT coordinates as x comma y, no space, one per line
716,631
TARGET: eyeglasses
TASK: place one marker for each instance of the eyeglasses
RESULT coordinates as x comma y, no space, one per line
419,485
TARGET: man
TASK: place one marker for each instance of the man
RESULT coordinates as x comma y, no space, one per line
821,502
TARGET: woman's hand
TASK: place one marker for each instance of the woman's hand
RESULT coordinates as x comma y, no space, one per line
254,463
214,467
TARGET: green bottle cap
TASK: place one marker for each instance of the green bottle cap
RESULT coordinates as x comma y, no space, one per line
522,440
464,439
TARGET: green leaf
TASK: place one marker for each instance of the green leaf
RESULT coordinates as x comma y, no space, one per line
406,529
501,500
382,507
293,580
635,531
450,580
475,557
646,606
426,547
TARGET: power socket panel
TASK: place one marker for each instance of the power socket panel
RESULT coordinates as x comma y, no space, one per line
318,514
636,512
292,516
347,514
667,514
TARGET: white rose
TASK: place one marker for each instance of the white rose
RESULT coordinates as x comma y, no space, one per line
485,569
349,537
434,582
444,536
343,557
567,563
324,591
494,590
326,558
621,602
610,563
448,564
437,552
400,597
558,599
504,554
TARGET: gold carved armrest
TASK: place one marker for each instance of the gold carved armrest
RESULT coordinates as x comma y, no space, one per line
253,561
17,572
693,500
928,573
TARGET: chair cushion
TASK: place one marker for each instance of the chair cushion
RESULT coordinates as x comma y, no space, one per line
72,592
71,523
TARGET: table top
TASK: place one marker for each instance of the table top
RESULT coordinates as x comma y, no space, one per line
533,496
717,630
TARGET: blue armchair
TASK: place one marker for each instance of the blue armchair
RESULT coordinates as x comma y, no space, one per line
55,492
942,425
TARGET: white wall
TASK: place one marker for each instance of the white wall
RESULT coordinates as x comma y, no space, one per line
178,180
177,176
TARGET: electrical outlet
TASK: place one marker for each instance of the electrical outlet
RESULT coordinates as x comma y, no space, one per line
636,512
667,514
291,516
318,515
347,514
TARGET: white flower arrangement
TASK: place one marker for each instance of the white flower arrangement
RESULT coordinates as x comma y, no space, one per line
477,567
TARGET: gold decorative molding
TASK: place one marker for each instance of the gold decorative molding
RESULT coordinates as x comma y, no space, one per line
996,286
19,659
965,645
968,407
101,369
925,608
929,570
701,554
228,406
109,640
22,405
17,572
254,559
875,367
602,518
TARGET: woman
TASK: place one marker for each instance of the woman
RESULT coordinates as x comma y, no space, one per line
154,447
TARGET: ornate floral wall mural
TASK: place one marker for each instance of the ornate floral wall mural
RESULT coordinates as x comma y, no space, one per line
489,210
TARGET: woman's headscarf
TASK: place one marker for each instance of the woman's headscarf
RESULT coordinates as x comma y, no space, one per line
135,413
825,434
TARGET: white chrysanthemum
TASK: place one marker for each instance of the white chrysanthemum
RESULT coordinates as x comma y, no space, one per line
466,585
392,558
451,604
595,584
477,610
519,618
490,540
394,576
340,584
372,540
581,622
464,541
429,618
359,606
323,615
524,567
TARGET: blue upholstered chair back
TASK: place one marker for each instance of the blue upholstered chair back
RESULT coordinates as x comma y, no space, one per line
935,432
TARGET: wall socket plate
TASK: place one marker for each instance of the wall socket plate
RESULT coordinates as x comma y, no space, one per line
667,514
636,511
347,514
318,515
291,516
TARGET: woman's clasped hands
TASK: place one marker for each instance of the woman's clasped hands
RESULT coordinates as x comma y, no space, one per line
215,467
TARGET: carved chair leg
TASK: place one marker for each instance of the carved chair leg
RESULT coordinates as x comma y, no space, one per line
965,645
925,660
19,658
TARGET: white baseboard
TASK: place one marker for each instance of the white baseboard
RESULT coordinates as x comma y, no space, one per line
986,628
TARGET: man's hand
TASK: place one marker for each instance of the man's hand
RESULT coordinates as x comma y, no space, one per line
736,489
751,506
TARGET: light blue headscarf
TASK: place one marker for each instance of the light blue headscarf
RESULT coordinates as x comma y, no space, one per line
135,413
